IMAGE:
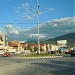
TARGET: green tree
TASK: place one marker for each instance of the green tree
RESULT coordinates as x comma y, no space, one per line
28,48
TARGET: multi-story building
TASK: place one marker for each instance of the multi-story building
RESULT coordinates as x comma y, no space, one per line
14,46
3,41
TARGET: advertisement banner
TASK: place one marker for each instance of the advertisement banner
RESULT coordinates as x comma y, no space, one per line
62,43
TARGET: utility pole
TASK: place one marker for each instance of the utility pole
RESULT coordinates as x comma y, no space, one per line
37,13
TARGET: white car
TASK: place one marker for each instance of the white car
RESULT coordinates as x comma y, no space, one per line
1,52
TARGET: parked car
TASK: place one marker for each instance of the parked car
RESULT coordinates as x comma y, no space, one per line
67,51
6,54
72,53
1,52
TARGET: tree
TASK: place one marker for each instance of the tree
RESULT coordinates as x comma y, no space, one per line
28,48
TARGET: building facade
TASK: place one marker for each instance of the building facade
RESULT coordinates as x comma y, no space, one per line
3,41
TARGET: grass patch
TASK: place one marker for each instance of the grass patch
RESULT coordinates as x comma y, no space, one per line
35,55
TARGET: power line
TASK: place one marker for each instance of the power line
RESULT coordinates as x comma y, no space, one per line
17,23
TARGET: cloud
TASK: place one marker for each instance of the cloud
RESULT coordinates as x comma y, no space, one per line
11,29
41,36
67,31
2,30
51,9
56,27
71,19
28,18
25,11
33,35
50,29
24,6
16,33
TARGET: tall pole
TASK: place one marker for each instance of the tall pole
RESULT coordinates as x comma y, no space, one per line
26,41
37,13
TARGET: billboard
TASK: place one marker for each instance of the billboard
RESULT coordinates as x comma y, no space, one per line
62,43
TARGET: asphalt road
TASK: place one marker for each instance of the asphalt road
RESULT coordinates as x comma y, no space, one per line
52,66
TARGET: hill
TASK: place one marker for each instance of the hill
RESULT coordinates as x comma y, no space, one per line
70,37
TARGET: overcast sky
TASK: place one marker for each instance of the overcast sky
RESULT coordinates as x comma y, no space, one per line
56,17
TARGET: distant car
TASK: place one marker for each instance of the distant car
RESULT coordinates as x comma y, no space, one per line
1,52
72,53
6,54
67,51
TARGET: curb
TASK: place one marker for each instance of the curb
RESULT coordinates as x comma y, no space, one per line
38,57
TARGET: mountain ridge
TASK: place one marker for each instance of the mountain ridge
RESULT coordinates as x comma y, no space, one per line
64,37
70,37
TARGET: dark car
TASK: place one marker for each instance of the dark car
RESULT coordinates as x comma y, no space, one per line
72,53
6,54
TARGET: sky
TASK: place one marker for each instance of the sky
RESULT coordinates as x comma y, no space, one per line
18,19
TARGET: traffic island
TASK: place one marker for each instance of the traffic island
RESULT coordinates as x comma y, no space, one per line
36,56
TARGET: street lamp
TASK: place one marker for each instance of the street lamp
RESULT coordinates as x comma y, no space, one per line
37,13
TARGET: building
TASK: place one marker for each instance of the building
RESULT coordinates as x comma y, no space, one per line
3,41
52,48
15,46
43,46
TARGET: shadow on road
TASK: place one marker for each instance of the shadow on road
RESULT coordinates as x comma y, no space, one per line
55,67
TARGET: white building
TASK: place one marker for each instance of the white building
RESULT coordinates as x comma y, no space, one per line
52,47
3,41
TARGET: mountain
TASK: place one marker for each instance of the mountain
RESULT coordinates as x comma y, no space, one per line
65,37
70,37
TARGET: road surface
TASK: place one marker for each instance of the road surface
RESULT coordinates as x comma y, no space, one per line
52,66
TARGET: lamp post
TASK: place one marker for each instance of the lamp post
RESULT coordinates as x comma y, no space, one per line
37,14
26,41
